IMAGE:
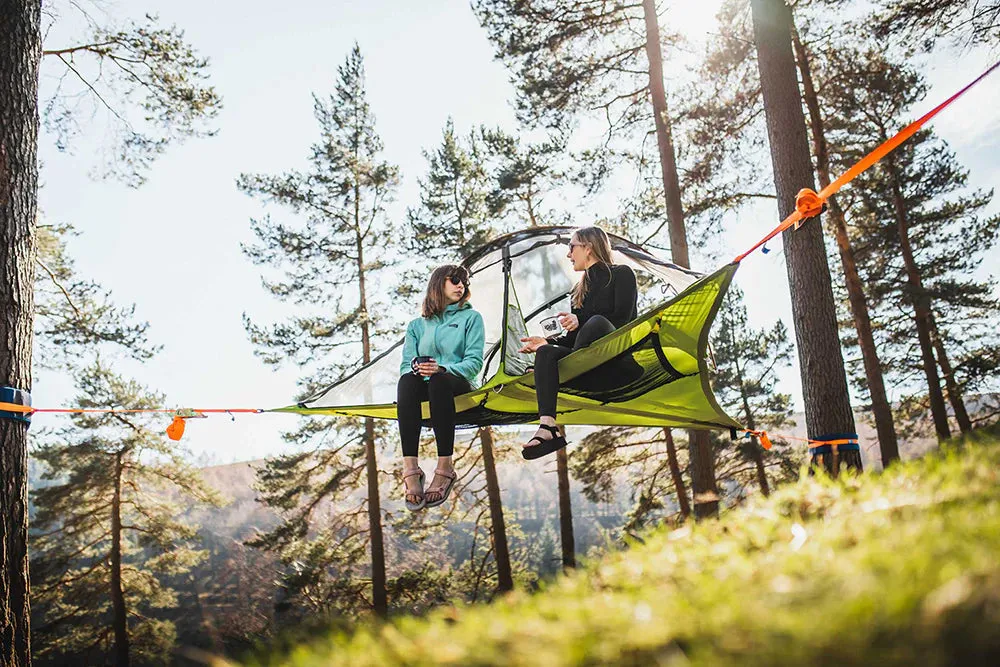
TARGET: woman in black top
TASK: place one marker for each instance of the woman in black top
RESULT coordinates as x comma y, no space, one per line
603,300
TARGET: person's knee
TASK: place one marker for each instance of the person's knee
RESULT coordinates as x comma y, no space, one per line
408,384
546,352
439,385
598,324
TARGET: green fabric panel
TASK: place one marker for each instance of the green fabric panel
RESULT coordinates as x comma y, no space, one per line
684,399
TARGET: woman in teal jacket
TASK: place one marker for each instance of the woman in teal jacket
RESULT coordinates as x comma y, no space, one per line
442,353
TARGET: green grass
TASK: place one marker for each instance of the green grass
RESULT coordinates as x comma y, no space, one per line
898,568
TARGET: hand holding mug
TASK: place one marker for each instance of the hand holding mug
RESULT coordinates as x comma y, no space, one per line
430,368
569,321
425,366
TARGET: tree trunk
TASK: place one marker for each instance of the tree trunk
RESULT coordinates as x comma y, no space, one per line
921,308
701,463
755,454
664,141
20,51
119,613
821,362
706,503
380,601
888,444
565,510
675,473
954,391
505,579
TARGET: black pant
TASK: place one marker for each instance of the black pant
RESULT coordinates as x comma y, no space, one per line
441,391
547,362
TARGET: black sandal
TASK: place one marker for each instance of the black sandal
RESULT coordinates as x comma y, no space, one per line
544,447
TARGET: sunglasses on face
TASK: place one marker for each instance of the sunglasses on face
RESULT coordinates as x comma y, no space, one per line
459,279
574,244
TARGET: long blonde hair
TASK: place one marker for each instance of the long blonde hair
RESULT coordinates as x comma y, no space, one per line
435,301
597,240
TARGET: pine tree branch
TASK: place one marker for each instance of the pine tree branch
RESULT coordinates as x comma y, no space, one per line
62,289
93,48
63,581
94,91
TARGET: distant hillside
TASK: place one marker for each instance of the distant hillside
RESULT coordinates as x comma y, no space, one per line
530,488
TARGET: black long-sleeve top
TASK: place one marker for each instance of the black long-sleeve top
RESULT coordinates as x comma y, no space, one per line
612,293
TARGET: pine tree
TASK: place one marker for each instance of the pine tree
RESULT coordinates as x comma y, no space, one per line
874,382
824,380
573,58
108,528
524,177
453,217
334,265
920,237
746,361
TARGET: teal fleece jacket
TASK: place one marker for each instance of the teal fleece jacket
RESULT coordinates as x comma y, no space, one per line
455,339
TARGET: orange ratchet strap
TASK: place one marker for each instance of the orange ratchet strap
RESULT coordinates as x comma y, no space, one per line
809,203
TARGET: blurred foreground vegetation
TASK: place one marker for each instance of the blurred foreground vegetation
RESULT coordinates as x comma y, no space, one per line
893,568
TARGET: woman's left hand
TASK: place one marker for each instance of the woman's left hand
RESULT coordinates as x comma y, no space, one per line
428,369
532,343
569,321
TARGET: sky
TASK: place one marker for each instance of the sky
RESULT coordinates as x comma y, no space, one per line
172,246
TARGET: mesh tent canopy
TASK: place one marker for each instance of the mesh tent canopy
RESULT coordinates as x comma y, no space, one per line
651,372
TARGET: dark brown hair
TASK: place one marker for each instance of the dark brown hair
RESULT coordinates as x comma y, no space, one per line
435,301
597,240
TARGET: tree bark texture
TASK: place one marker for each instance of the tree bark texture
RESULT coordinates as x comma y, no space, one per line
921,308
20,52
566,537
702,466
824,380
119,612
498,527
881,410
675,474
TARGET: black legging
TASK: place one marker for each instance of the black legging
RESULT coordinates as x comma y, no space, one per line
547,362
441,391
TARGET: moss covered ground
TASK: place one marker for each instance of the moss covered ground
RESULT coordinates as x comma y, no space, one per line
896,568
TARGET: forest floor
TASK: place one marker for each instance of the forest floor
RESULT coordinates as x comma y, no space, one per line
900,567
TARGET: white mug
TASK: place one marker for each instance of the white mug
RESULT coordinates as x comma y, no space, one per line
551,326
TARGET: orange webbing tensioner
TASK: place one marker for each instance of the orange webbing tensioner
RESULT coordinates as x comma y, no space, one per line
808,204
176,429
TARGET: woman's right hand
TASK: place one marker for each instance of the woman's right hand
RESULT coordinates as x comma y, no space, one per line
532,343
